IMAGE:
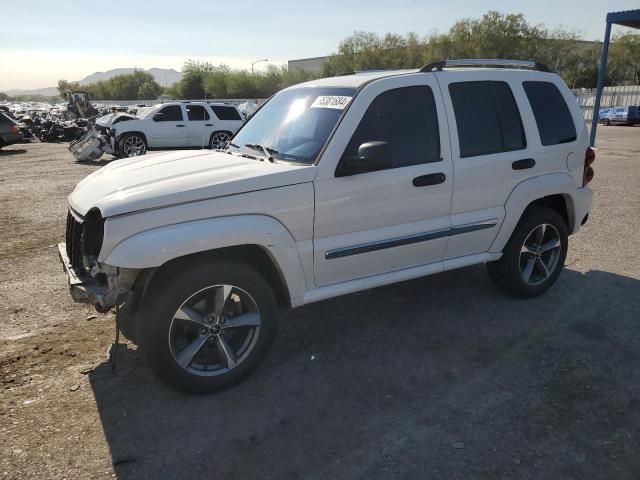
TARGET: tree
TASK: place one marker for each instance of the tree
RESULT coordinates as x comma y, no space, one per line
64,86
494,35
148,91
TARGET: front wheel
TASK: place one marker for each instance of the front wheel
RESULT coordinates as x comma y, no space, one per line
131,145
207,326
534,255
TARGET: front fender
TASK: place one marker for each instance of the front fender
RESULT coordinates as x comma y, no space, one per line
157,246
530,190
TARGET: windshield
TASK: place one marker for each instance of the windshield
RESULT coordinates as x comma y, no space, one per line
295,124
146,111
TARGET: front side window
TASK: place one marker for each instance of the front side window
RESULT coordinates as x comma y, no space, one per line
406,119
295,124
172,113
196,113
487,118
552,114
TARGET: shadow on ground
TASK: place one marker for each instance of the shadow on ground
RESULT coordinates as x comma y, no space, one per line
6,153
441,377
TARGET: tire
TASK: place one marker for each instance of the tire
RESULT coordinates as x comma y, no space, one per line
131,145
218,139
606,122
215,351
527,255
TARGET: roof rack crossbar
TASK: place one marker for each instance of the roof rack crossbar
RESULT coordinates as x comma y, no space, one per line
484,62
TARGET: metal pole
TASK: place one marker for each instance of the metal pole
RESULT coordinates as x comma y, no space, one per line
601,75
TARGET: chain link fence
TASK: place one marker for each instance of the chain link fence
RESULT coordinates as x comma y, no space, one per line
611,97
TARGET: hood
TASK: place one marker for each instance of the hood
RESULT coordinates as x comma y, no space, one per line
164,179
107,120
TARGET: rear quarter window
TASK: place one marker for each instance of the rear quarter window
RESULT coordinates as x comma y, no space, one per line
553,117
226,113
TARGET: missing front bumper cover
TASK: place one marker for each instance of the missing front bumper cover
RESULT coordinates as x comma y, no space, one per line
83,288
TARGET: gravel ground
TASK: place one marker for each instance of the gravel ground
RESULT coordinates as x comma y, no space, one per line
441,377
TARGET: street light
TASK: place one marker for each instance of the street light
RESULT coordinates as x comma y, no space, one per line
258,61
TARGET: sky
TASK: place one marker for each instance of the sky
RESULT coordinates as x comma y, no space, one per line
42,41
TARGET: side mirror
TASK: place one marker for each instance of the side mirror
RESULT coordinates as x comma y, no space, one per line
372,156
158,117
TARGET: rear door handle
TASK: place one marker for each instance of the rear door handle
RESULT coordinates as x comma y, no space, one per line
179,125
208,124
430,179
523,164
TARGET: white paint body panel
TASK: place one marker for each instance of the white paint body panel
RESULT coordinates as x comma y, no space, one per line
165,206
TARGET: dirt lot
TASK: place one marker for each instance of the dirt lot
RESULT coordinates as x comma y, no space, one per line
442,377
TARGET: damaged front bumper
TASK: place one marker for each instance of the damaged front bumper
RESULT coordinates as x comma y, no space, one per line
104,286
91,146
83,287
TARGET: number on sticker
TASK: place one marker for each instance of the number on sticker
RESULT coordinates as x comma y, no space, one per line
331,101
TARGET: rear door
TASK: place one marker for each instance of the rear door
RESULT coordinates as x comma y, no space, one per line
169,128
506,127
199,125
490,154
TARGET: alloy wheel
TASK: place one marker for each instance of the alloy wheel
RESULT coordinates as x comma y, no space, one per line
214,330
539,254
219,140
134,146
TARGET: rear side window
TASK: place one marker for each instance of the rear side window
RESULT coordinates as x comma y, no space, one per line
553,117
172,113
226,113
405,118
196,112
487,117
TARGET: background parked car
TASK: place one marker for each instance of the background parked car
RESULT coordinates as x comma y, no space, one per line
176,125
628,115
9,131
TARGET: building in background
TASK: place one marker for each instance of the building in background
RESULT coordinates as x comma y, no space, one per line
313,64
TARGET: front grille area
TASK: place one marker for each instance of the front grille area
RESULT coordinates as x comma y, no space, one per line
74,241
84,239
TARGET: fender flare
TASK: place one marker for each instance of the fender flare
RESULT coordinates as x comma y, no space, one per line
155,247
529,191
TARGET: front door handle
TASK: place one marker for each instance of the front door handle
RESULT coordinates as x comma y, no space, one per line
179,125
523,164
430,179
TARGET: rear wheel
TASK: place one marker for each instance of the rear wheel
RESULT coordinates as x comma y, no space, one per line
132,145
207,327
219,140
534,255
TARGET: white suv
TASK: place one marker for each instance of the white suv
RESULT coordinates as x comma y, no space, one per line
333,186
176,125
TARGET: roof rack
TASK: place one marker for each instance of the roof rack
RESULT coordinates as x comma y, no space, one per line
484,62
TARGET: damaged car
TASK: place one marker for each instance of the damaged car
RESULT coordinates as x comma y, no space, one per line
174,125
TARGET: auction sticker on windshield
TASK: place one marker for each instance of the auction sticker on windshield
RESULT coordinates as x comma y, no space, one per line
331,101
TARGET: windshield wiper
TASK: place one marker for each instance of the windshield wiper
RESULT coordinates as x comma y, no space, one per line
266,150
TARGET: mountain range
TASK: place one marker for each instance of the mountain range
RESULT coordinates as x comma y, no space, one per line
164,76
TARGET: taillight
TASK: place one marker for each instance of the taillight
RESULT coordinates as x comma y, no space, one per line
14,129
589,158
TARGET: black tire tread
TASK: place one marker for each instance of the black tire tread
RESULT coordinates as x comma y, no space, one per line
505,273
169,290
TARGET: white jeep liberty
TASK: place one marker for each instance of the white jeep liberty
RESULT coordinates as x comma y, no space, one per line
333,186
